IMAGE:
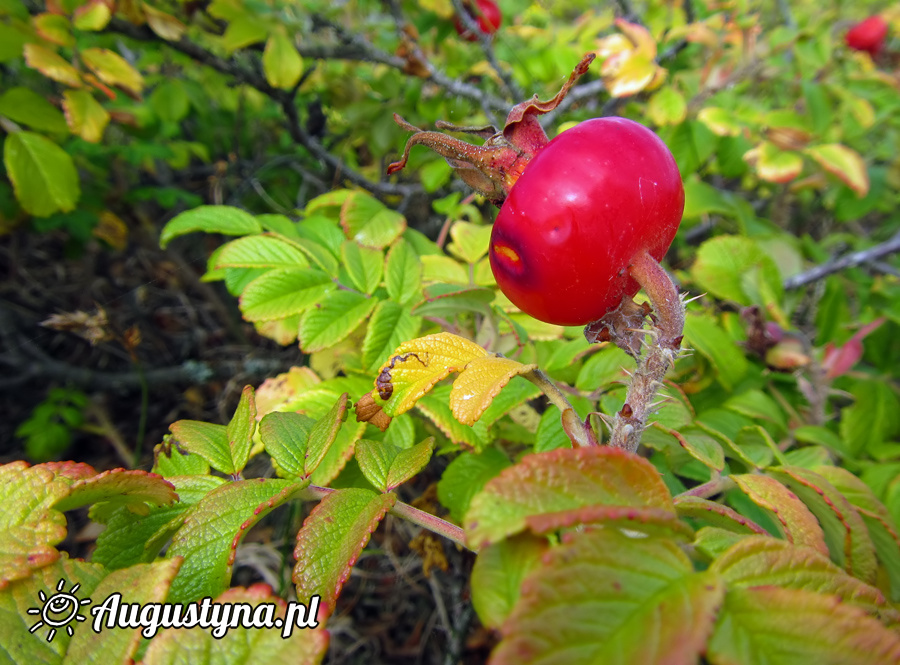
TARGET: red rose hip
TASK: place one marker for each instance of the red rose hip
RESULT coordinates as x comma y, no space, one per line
485,13
586,205
868,35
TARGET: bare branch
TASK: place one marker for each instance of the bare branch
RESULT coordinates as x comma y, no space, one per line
851,260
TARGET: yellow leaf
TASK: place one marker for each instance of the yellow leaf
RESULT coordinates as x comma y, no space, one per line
93,16
112,230
54,28
51,65
418,364
443,8
84,115
440,268
846,164
165,25
479,383
643,41
113,69
774,165
719,121
635,74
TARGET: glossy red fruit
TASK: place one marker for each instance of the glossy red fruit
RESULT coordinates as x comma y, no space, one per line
485,13
868,35
590,201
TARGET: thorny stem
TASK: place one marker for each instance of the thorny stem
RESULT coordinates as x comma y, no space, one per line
659,354
425,520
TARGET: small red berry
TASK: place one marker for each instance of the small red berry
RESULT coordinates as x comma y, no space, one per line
585,206
868,35
485,13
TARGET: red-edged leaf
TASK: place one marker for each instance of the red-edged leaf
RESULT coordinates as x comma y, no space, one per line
51,65
603,597
876,517
331,540
297,647
764,561
790,626
119,487
642,519
796,520
562,480
29,525
844,163
716,514
845,532
214,528
113,69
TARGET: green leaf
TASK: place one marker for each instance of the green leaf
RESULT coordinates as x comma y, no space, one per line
282,65
563,480
130,538
260,251
241,428
403,272
364,265
699,445
387,466
758,561
325,432
244,30
448,300
29,526
171,462
604,367
214,528
469,242
12,41
245,645
795,519
872,419
369,222
279,294
667,107
331,540
286,438
465,476
789,626
391,325
498,573
550,434
43,174
637,601
716,514
436,408
737,268
170,100
208,440
703,334
702,199
210,219
333,319
845,533
27,107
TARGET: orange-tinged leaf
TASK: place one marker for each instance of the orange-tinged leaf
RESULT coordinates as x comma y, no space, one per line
417,365
643,41
165,25
848,539
717,514
113,69
562,480
84,115
51,65
649,520
112,230
764,561
772,164
478,384
788,626
118,487
797,522
54,28
844,163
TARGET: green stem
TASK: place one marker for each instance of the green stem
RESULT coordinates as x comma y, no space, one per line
572,424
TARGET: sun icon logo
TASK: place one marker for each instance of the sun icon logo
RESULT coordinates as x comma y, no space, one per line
59,610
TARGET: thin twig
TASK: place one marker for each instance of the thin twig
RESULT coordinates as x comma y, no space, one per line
847,261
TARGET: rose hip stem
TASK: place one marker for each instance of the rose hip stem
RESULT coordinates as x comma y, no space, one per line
658,355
